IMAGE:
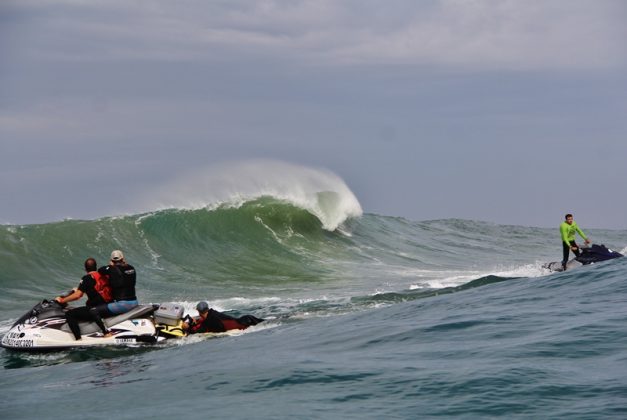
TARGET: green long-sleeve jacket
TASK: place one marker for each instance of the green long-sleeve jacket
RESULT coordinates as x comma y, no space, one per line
568,232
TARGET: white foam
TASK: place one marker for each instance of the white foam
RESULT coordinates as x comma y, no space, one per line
527,270
457,278
222,305
319,191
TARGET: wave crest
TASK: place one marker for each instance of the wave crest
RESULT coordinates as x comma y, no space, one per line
318,191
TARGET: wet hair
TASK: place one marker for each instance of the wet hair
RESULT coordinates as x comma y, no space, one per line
202,307
568,215
91,264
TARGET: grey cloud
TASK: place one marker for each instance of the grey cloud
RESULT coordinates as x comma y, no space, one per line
430,109
488,34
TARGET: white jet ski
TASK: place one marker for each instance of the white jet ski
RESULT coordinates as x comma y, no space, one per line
45,328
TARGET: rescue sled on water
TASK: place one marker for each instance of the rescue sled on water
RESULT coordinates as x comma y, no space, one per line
589,255
170,322
44,327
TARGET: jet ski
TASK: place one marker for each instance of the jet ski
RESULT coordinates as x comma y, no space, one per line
44,327
589,255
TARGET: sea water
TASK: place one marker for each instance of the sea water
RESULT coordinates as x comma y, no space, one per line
367,316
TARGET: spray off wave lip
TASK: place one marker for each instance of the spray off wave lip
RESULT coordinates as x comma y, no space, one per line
319,191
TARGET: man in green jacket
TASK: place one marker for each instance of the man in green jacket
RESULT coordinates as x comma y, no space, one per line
568,229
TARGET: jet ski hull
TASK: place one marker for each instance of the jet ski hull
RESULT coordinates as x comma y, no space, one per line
127,333
589,255
45,328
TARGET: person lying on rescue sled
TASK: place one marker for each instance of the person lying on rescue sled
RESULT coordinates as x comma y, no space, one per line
211,320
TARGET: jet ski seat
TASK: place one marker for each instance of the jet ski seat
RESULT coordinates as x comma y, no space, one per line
140,311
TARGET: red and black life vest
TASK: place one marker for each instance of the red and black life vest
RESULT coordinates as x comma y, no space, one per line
102,286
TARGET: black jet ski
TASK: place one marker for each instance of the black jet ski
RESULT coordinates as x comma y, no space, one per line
44,327
589,255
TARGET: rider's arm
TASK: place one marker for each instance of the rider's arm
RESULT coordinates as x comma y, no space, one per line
192,323
580,232
77,294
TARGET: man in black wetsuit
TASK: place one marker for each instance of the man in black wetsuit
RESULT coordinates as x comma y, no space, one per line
213,321
122,278
98,294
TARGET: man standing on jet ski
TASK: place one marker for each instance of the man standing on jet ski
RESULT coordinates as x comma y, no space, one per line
121,277
98,292
568,228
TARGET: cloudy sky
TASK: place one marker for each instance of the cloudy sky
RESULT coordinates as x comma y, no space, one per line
511,112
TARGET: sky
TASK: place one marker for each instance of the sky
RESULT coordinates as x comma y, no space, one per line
511,112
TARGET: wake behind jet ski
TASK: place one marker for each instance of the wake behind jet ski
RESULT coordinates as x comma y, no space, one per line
589,255
45,327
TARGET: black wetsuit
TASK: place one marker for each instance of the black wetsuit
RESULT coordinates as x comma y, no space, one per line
212,323
566,250
219,322
95,308
122,279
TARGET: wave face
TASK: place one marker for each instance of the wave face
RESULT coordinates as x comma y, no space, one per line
270,250
318,191
377,313
264,247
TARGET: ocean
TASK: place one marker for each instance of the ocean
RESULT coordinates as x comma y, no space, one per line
367,316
